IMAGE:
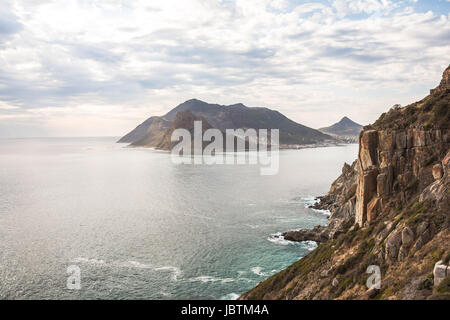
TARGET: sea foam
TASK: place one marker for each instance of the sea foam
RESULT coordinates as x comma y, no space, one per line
279,239
230,296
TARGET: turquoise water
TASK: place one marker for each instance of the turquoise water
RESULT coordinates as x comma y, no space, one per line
140,227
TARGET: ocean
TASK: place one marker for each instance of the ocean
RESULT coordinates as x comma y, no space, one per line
138,226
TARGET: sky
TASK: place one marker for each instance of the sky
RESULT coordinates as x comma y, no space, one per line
100,67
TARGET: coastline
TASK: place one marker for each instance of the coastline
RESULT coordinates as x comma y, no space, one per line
282,147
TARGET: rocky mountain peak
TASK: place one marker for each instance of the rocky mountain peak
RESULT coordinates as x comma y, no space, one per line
223,117
193,100
445,83
345,127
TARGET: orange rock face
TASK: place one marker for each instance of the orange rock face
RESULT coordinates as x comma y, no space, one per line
437,171
368,149
373,208
366,189
391,161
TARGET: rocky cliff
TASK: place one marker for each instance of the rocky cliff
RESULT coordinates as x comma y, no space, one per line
390,208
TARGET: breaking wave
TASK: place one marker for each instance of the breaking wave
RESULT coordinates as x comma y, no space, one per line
279,239
230,296
205,279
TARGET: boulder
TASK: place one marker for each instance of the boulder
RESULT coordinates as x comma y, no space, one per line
422,227
402,253
445,83
424,236
317,234
369,294
437,192
440,272
393,242
407,237
335,282
437,171
384,232
326,272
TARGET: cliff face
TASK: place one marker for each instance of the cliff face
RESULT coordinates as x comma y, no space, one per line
340,201
393,166
390,208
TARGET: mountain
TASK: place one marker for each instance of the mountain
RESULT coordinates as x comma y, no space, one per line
150,133
389,209
161,139
222,117
345,127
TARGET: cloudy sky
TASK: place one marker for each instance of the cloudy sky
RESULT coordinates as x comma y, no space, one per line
100,67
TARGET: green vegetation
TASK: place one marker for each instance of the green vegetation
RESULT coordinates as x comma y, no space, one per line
343,285
310,263
415,213
431,112
436,255
427,283
446,259
444,287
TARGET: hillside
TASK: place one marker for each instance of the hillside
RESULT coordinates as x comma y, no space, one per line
221,117
390,208
345,127
161,139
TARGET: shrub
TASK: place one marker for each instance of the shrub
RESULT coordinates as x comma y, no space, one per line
427,283
444,286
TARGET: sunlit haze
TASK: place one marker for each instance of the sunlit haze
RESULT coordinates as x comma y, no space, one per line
98,68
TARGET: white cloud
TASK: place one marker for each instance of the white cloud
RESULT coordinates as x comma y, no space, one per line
6,106
118,62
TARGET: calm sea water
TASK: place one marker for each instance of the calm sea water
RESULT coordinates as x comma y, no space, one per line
140,227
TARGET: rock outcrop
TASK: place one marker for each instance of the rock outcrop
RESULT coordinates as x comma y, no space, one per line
340,201
396,162
318,234
445,83
440,272
390,208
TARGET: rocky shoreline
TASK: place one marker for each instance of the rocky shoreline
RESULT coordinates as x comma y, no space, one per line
390,209
339,201
317,234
